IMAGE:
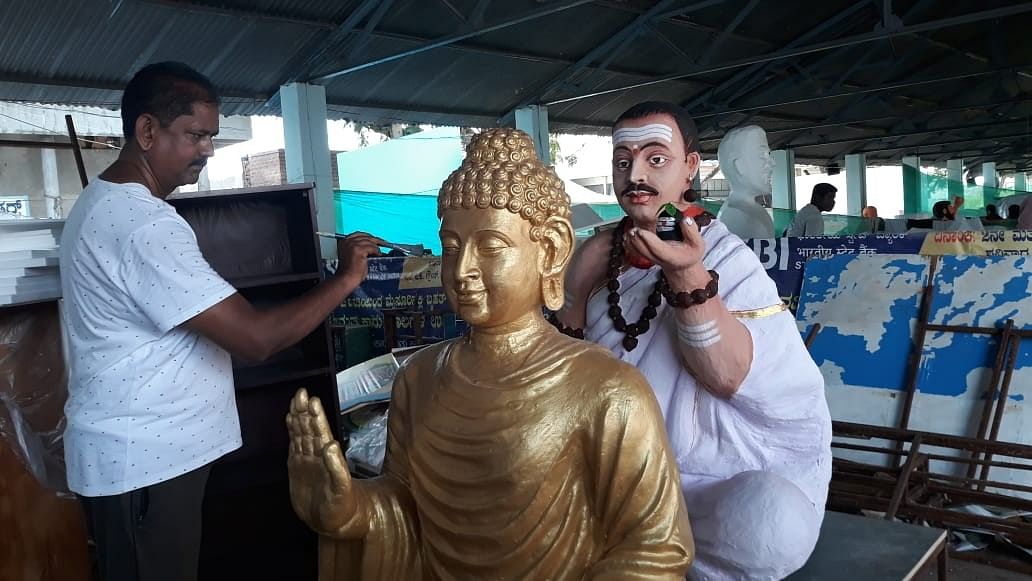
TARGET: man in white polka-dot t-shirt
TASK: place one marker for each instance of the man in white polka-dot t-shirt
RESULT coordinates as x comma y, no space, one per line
150,330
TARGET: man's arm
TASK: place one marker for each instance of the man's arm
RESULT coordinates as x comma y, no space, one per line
256,334
715,347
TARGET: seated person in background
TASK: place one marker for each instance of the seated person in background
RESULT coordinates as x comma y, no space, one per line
992,214
875,224
946,218
808,220
514,452
1025,217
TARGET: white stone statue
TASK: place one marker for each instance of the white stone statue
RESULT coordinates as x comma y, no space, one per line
744,158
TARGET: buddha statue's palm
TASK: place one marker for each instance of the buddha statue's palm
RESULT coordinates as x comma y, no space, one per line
320,485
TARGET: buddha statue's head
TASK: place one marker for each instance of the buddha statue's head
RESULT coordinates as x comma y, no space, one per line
505,231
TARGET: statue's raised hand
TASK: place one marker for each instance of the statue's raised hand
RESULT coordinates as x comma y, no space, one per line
320,485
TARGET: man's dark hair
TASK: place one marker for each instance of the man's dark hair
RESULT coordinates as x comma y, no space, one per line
1013,211
166,90
940,210
684,121
821,191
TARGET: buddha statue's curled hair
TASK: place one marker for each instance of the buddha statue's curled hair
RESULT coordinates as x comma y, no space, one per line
502,171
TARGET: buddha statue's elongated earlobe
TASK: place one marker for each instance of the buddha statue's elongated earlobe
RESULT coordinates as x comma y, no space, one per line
557,249
552,291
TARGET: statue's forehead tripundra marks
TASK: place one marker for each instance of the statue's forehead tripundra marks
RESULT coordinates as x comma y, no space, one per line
643,134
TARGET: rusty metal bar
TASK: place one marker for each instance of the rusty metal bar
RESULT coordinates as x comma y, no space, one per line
903,482
1001,406
983,422
954,459
812,335
1016,450
76,151
948,517
978,330
988,483
914,363
985,498
863,448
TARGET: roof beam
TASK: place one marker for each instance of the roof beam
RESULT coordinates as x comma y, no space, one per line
760,68
117,86
731,27
843,122
250,14
917,147
366,35
476,16
315,59
933,131
684,23
452,39
616,42
863,90
819,47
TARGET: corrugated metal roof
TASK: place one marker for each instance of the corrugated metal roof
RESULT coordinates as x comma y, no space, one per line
82,52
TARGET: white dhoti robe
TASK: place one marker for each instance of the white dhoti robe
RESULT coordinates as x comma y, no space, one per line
754,468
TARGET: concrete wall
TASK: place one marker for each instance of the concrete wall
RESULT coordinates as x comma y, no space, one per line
21,174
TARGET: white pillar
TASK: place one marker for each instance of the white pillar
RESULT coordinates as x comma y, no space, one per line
856,183
51,183
955,177
989,174
308,151
1020,183
783,183
911,165
533,119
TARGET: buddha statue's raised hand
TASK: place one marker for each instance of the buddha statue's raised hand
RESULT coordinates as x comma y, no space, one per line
320,484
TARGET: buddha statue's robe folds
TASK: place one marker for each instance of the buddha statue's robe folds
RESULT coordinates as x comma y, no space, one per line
559,470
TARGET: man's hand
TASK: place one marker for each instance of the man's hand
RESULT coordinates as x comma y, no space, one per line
320,484
353,255
681,261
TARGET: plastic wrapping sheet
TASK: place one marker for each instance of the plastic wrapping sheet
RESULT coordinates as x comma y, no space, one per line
33,390
367,445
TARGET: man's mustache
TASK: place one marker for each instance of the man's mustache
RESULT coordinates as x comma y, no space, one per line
639,188
199,163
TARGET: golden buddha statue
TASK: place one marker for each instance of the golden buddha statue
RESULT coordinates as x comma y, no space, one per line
514,452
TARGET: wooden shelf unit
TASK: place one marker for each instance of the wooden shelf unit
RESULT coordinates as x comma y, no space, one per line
263,241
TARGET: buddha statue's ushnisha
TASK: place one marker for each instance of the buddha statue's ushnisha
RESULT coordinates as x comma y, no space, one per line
514,452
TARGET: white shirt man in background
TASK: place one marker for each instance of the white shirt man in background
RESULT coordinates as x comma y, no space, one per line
808,220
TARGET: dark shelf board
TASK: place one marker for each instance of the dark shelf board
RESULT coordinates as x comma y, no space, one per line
256,281
263,375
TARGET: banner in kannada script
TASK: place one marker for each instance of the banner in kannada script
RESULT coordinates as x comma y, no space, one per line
407,286
410,285
784,258
990,243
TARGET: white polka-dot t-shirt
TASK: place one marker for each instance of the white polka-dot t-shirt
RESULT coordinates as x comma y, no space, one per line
148,400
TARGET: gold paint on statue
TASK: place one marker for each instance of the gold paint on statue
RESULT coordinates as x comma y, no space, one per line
514,452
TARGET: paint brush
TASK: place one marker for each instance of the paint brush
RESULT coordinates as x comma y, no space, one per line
406,249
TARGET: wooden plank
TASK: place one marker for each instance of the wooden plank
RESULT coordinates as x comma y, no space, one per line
879,549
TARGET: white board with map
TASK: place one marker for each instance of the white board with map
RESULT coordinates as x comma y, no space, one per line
868,307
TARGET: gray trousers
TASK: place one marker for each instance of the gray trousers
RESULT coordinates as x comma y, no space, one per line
152,533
